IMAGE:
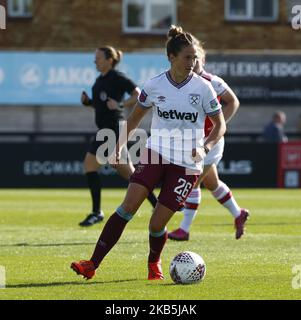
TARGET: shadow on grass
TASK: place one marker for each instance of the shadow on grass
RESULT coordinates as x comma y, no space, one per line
251,224
131,242
25,244
58,284
172,284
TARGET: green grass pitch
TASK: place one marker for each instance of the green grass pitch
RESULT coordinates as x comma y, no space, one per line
40,237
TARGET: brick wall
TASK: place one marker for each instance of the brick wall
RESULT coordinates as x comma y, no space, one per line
85,24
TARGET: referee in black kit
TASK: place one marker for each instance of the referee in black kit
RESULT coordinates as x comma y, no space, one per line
107,95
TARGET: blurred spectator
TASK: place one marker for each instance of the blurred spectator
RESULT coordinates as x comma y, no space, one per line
274,131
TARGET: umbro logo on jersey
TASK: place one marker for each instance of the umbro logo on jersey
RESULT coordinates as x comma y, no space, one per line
174,114
161,99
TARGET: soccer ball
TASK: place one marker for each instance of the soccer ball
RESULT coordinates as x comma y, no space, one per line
187,267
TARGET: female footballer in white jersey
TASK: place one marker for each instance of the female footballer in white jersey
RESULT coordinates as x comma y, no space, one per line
180,100
209,177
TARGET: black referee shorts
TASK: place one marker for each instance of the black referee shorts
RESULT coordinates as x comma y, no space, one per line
94,145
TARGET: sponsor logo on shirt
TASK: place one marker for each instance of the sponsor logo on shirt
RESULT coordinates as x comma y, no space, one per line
177,115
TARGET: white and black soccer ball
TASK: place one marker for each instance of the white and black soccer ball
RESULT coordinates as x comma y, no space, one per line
187,268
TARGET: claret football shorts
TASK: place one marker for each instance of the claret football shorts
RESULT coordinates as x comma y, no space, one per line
175,183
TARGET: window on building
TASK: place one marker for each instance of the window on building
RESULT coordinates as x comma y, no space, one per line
148,16
19,8
252,10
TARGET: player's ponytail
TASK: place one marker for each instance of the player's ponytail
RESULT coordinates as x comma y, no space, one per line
119,56
174,31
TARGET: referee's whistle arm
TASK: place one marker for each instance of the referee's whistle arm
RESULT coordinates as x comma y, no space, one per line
85,99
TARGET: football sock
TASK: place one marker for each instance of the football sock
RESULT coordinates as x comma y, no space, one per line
224,195
94,185
152,199
191,208
156,245
110,235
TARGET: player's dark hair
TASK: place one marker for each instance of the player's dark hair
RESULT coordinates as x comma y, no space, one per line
200,49
111,52
177,39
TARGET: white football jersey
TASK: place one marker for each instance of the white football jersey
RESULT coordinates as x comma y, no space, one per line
179,111
218,84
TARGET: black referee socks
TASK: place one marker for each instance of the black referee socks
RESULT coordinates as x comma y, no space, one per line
94,185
